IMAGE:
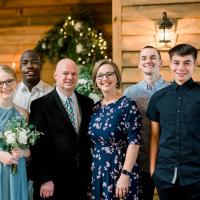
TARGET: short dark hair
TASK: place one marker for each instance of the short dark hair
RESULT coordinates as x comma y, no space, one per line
151,47
183,50
33,52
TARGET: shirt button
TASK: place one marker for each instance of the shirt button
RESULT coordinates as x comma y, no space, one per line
177,137
178,111
179,98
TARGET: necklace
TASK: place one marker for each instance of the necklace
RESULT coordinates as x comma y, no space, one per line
111,99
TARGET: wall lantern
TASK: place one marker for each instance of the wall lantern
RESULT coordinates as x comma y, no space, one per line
165,37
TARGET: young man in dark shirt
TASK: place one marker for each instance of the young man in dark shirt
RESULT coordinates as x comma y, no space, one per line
175,132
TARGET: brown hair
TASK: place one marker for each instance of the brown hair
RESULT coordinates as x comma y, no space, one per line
8,70
183,50
98,64
151,47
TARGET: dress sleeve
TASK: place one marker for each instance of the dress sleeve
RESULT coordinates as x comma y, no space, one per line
133,123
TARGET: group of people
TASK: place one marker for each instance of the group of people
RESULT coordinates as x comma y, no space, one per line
118,148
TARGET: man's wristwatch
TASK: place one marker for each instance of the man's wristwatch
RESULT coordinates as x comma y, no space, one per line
127,173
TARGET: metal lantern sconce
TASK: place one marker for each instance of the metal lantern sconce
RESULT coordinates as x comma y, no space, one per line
164,25
165,36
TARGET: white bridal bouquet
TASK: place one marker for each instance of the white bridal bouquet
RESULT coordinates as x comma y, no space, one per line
18,135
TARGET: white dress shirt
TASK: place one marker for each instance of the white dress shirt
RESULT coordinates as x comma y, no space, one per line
23,97
75,107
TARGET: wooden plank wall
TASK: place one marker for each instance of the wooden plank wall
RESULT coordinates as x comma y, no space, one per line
24,22
135,24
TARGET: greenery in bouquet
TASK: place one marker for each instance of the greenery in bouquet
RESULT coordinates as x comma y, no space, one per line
18,135
75,37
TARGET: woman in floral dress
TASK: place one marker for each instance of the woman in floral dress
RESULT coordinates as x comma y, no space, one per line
115,133
12,186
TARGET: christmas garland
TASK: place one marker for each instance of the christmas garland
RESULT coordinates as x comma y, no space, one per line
77,39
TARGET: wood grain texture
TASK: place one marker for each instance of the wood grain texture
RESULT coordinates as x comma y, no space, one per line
155,2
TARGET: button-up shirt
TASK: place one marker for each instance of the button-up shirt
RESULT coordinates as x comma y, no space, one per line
141,94
75,107
177,109
23,97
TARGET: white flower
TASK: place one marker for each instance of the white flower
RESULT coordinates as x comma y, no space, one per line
10,138
82,81
78,26
23,137
79,48
94,96
6,133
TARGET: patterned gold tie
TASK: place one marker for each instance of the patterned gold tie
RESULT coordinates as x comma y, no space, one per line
70,111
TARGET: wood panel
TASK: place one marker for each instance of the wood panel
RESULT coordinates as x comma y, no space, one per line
15,40
23,23
135,43
15,48
48,73
155,11
131,75
191,39
155,2
9,57
46,20
63,10
139,27
117,27
22,39
36,3
24,30
188,26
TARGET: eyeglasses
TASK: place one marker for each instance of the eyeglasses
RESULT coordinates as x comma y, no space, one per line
8,82
108,75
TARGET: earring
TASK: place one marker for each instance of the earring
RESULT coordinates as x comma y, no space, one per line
117,85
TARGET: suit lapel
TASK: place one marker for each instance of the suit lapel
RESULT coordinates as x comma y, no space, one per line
62,109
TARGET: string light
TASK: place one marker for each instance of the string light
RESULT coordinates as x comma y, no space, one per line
76,39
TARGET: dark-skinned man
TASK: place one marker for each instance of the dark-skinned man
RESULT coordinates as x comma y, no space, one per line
31,87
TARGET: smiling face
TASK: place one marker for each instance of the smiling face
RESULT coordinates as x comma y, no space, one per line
182,67
150,61
66,76
8,84
30,66
106,79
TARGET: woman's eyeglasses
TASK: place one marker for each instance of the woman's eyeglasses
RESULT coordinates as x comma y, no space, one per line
108,75
8,82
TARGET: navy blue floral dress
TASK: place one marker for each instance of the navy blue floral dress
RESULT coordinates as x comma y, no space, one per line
112,128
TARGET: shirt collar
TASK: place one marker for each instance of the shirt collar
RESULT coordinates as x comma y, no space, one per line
64,97
156,84
187,84
39,86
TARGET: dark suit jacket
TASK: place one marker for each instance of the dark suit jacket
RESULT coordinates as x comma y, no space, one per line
61,155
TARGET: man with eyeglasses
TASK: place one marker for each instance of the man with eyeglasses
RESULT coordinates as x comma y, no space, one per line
149,62
31,87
